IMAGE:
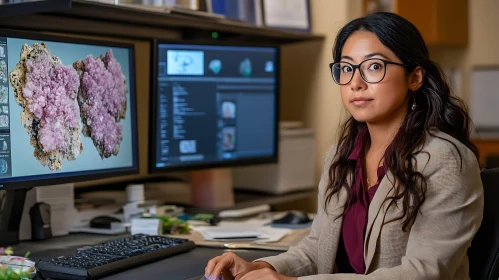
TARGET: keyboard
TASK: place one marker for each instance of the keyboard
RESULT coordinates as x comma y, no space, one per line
112,256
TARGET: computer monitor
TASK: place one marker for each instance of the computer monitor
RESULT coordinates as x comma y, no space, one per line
67,113
213,106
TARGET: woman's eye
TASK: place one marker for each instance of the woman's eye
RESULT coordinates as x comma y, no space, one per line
346,69
375,67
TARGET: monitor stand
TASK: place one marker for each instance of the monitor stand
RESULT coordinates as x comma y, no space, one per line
212,188
11,211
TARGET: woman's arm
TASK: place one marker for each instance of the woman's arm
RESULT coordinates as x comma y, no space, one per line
302,259
448,221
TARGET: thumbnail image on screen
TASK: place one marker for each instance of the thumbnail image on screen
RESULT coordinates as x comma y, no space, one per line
64,107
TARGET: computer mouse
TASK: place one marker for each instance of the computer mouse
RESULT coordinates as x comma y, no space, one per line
204,278
103,222
293,218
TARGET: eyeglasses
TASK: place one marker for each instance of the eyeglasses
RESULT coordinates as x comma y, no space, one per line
372,70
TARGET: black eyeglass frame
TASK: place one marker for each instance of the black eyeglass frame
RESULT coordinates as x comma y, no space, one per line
385,62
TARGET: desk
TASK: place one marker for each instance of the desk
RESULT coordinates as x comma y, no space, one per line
179,267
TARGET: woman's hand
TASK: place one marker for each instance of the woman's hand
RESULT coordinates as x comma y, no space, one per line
231,266
265,274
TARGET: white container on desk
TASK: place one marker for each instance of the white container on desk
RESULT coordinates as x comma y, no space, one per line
295,170
61,201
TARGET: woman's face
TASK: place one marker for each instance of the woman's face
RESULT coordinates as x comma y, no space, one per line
381,102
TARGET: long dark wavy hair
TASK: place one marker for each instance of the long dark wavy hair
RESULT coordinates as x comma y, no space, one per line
437,110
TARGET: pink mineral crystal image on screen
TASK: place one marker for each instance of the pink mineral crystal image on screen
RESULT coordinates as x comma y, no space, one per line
47,92
3,71
4,121
4,94
102,100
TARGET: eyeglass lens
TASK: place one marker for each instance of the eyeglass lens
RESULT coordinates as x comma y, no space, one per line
372,71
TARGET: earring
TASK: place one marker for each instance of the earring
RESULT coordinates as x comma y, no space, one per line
413,107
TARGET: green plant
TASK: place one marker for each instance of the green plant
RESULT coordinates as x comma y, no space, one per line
6,264
172,225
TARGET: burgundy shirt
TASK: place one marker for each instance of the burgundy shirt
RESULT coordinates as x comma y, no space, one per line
355,216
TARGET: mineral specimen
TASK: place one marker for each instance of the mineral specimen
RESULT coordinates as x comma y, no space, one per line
3,71
102,100
47,91
4,121
4,94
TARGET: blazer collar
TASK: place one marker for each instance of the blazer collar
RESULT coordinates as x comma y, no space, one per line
328,240
376,217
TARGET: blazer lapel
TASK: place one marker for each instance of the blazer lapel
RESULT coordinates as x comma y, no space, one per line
377,210
328,240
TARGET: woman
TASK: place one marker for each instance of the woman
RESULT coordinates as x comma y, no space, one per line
400,195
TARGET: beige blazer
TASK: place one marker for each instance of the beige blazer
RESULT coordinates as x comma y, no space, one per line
433,248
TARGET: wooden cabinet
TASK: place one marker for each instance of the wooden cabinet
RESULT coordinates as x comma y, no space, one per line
486,148
441,22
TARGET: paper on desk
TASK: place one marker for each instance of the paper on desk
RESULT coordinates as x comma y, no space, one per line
217,233
251,223
146,226
230,232
273,234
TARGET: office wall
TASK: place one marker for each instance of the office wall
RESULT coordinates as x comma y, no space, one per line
484,39
482,49
308,92
324,109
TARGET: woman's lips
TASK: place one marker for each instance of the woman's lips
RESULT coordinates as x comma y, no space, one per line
360,101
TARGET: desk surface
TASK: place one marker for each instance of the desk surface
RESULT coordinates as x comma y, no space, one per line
182,266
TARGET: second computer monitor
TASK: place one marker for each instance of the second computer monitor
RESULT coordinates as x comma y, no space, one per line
213,106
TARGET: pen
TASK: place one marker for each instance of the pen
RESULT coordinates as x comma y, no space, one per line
238,237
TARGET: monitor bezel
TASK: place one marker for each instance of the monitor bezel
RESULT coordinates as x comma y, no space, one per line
153,112
79,176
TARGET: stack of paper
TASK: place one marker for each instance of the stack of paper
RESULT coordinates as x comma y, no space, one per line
262,234
227,233
272,234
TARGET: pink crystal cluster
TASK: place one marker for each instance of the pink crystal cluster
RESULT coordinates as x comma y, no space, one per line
50,94
4,94
53,96
4,121
102,100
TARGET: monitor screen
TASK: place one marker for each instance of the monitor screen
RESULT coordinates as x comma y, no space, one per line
67,110
213,106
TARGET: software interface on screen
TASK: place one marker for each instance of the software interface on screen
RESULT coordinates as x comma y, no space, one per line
215,104
65,109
